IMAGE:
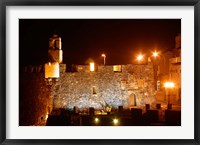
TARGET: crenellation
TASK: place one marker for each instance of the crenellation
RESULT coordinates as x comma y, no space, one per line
63,68
39,69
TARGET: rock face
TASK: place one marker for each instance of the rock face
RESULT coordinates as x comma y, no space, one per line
133,85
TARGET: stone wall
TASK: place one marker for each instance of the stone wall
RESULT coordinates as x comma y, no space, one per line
104,87
35,98
133,86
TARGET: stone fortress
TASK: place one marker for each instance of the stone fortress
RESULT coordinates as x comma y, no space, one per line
47,87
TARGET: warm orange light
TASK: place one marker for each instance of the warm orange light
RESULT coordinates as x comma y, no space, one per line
139,57
169,85
91,66
104,58
47,115
103,55
96,120
155,54
49,63
115,121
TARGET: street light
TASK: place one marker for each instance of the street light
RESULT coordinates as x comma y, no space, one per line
140,57
104,58
155,67
155,54
115,121
168,86
159,65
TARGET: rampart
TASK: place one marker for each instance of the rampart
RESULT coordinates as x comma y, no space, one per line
127,86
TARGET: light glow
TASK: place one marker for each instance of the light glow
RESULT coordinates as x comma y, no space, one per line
155,54
103,55
91,66
96,120
169,85
115,121
46,117
52,70
140,57
117,68
104,58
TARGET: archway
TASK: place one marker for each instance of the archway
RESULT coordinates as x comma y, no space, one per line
132,100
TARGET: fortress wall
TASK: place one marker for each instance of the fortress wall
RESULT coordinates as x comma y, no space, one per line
34,98
85,89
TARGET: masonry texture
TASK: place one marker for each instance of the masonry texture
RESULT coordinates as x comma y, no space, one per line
132,86
34,98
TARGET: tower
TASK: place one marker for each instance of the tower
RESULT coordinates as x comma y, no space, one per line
55,52
52,71
55,57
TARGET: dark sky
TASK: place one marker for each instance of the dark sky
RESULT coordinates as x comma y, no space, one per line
120,39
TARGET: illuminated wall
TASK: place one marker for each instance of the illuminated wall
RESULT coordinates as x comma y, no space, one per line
35,98
84,89
114,88
52,70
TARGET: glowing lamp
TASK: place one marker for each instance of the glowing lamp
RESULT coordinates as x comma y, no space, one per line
91,66
140,57
96,120
169,85
103,55
155,54
115,121
104,58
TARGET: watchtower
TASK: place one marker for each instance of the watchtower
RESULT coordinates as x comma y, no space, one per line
55,52
55,57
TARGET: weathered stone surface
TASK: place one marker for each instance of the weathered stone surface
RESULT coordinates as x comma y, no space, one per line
35,98
111,88
85,89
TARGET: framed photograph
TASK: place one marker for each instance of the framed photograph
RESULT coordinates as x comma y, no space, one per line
99,72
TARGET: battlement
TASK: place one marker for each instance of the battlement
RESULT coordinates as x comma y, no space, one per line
40,69
86,68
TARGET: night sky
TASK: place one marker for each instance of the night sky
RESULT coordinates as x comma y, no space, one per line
120,39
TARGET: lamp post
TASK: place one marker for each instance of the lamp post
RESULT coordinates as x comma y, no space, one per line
104,58
159,64
155,68
168,86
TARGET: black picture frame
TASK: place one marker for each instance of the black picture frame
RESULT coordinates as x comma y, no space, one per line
5,3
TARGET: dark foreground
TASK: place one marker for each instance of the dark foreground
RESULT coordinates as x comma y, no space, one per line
133,117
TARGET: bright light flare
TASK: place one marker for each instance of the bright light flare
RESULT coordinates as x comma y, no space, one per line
103,55
96,120
140,57
169,85
115,121
46,117
49,63
155,54
91,66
